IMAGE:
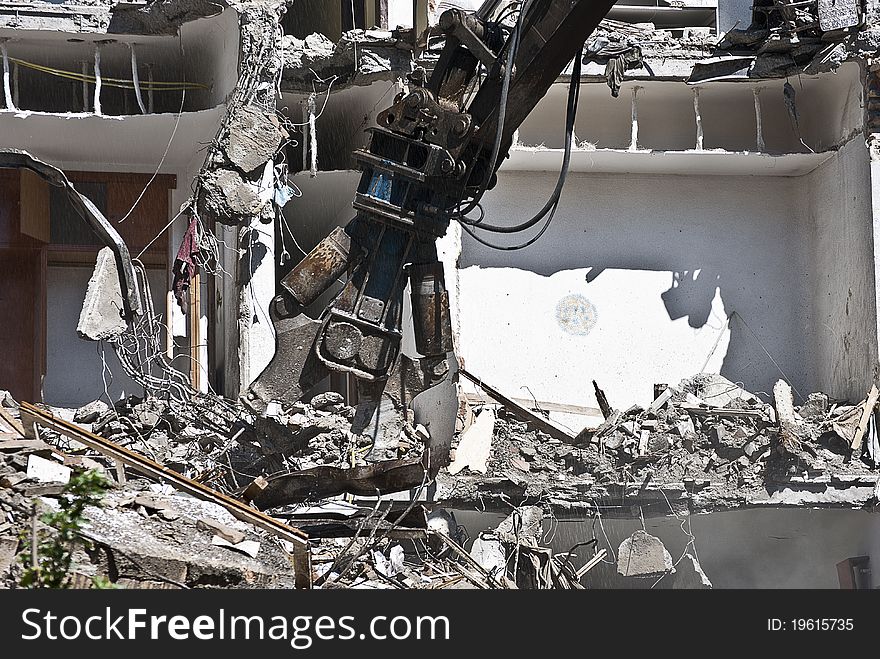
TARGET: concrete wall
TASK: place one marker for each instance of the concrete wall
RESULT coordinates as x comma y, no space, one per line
829,109
75,372
632,285
842,278
733,14
635,280
210,51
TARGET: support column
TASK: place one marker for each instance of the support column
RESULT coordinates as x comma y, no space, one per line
634,141
759,131
7,89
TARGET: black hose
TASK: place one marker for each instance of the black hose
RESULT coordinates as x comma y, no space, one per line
549,209
553,201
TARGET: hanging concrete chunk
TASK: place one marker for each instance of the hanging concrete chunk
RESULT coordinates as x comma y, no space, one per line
228,197
643,555
790,423
101,316
475,445
489,553
689,575
254,137
523,525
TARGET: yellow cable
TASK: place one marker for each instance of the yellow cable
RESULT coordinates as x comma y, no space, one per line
122,83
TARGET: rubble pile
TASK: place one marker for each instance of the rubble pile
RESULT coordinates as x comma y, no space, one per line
508,557
229,450
703,444
360,57
708,437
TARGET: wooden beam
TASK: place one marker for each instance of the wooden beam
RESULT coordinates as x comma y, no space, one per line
34,206
299,540
11,421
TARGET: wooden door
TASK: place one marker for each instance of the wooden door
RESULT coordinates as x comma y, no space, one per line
22,298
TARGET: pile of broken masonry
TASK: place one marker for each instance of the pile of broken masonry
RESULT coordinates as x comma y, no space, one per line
704,444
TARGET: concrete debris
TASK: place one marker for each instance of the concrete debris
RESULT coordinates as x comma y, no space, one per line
643,555
393,564
47,471
299,53
523,525
715,391
358,58
248,547
326,400
443,521
689,575
814,407
90,412
228,533
253,138
700,457
155,18
489,552
475,445
227,196
101,318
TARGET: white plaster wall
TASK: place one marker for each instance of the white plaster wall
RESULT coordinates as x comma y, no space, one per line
400,13
74,366
736,244
733,14
829,108
842,274
210,51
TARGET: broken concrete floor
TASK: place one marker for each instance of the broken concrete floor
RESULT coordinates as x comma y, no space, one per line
704,445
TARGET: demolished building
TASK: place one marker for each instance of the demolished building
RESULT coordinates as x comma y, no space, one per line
717,220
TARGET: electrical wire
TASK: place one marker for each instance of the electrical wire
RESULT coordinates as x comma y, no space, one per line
123,83
164,155
513,47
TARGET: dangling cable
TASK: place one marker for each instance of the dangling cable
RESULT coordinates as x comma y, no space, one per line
549,209
513,47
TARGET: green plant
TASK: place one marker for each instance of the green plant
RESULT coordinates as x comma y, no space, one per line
47,565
